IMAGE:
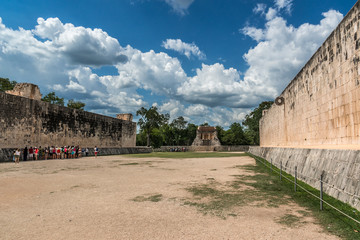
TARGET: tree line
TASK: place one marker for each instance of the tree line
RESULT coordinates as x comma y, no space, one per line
156,130
6,84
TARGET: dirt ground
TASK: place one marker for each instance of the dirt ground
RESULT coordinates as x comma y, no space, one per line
121,197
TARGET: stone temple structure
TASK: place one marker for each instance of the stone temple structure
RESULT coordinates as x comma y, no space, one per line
314,124
206,139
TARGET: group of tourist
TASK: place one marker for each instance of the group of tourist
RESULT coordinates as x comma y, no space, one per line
51,152
177,149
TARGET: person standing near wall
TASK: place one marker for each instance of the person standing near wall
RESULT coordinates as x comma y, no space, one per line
46,152
96,150
25,153
31,153
87,151
17,156
36,153
41,153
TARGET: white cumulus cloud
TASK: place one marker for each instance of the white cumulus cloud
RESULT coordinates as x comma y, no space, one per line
180,6
187,49
260,8
284,50
284,4
81,45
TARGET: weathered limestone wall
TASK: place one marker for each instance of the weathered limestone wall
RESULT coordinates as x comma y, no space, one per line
341,169
27,90
27,122
322,103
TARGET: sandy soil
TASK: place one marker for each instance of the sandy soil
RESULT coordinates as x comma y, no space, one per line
94,199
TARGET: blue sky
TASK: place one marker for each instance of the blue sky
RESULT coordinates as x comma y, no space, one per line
205,60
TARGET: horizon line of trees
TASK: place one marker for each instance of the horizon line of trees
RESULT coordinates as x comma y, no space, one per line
156,130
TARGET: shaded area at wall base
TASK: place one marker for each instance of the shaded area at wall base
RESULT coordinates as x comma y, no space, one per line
340,169
237,148
6,154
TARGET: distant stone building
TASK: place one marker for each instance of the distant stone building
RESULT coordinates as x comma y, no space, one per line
206,136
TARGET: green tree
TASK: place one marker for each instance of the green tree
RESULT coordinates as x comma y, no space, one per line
252,120
221,133
179,130
141,139
238,136
151,119
190,133
168,134
53,99
6,84
75,104
156,138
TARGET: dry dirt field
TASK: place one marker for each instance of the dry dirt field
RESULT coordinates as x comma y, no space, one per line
122,197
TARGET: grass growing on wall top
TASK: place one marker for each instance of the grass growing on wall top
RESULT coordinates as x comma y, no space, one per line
180,155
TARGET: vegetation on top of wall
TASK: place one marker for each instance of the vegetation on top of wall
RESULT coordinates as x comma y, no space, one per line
53,99
6,84
75,104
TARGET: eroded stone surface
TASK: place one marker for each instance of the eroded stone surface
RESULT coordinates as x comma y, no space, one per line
27,90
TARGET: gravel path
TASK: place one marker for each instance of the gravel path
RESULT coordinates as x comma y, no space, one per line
121,197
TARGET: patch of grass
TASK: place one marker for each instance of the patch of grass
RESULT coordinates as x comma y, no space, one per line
304,213
290,220
182,155
152,198
331,220
218,200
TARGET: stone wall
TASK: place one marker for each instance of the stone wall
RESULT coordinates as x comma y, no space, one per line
27,122
340,169
322,103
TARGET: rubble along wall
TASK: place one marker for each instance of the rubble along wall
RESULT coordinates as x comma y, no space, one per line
322,103
27,122
340,169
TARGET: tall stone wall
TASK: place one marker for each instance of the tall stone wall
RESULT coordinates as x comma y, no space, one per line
27,122
321,105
